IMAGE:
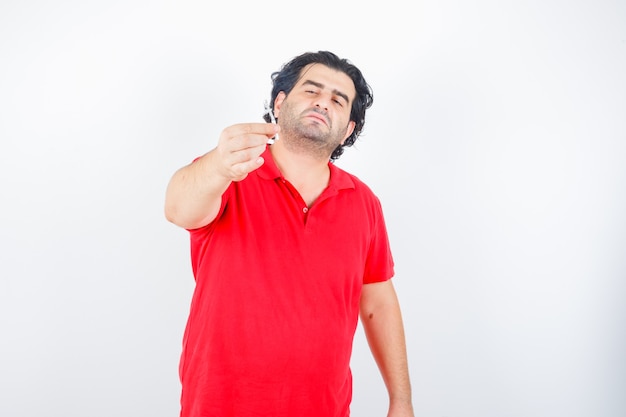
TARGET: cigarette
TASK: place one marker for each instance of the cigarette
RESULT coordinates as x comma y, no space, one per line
268,109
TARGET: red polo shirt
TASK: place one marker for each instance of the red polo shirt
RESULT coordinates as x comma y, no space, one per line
276,302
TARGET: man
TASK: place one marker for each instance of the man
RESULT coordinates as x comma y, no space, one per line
287,250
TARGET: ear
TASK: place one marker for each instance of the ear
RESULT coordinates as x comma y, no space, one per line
280,97
349,130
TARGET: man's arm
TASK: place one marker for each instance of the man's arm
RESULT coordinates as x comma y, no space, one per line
193,195
382,323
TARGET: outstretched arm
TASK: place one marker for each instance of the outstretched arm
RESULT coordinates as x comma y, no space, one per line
382,323
193,195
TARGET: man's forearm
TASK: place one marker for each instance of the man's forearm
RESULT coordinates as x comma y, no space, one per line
382,323
193,195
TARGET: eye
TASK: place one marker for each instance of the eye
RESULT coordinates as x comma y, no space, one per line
338,102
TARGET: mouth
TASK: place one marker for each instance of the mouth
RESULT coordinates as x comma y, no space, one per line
319,116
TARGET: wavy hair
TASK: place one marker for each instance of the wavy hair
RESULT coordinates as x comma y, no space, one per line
289,74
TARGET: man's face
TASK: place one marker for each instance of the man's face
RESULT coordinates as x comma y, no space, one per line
316,113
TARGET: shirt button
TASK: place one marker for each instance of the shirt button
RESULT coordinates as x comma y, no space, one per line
305,209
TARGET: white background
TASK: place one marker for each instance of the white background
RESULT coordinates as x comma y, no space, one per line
497,144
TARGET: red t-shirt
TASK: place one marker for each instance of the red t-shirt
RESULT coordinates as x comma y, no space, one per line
276,301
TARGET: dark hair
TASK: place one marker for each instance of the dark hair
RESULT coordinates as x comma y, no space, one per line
289,74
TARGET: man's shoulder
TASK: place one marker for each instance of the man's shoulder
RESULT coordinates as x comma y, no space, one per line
346,177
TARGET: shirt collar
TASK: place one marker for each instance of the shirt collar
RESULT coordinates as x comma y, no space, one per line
339,179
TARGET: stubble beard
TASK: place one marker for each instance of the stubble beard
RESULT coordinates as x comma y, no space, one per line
308,137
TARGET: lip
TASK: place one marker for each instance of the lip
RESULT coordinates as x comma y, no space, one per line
317,116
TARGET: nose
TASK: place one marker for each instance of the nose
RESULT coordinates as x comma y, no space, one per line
322,101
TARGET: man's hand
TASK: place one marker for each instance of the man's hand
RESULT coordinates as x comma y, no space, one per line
239,149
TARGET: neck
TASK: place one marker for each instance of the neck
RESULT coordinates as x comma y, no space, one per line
309,174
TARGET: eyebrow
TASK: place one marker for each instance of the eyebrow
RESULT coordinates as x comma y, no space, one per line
321,86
